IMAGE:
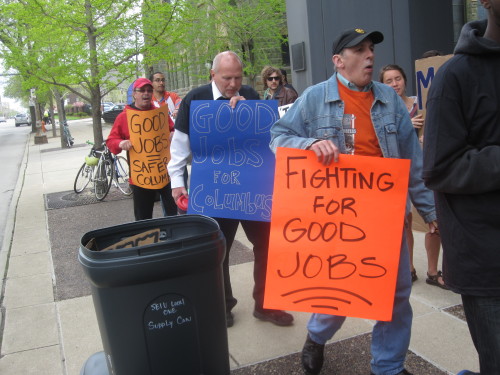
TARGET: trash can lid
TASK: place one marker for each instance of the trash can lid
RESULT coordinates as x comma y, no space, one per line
184,244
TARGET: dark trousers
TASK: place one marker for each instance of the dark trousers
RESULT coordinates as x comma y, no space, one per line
483,319
257,233
144,200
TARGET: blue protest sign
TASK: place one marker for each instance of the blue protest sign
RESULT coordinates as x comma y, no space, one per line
130,92
232,168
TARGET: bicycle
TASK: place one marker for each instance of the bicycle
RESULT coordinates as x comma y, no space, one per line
103,169
85,174
121,174
98,169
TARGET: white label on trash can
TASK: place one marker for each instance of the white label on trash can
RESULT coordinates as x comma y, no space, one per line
169,313
172,333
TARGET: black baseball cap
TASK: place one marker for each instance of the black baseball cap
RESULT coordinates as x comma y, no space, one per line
352,37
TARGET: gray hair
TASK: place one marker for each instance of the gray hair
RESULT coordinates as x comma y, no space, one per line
341,53
218,58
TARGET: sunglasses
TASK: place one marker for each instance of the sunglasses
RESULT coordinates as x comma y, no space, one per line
273,78
143,90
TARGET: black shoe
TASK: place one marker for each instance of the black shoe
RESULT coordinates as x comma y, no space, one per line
414,276
312,356
434,280
404,372
278,317
229,319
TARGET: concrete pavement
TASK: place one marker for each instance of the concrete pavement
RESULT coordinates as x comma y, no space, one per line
44,331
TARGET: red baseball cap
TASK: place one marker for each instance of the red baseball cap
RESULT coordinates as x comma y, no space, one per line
140,82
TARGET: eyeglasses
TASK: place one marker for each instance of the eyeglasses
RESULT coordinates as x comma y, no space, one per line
273,78
143,90
159,80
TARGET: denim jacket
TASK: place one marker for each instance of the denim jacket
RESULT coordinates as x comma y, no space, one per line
317,114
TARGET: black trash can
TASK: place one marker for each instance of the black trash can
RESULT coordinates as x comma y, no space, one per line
160,306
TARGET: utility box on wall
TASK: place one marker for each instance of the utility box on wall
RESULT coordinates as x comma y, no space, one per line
410,28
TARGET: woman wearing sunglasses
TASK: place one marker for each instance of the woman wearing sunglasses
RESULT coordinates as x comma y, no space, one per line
273,81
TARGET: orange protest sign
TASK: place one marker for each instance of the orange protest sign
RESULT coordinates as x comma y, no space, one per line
336,234
150,137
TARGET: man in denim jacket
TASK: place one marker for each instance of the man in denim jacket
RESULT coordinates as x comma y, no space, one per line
351,114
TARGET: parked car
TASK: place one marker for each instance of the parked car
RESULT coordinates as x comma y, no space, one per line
2,119
22,119
110,116
106,106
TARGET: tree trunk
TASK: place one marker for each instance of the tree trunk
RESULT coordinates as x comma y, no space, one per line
95,89
60,115
96,118
51,113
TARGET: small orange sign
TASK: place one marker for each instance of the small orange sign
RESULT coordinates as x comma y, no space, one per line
336,234
150,137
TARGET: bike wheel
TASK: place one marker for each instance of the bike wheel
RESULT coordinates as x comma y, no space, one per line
122,175
83,178
104,174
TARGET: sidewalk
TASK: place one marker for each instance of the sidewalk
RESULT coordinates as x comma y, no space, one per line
48,323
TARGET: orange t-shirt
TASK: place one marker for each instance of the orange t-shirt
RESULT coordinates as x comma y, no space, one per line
357,124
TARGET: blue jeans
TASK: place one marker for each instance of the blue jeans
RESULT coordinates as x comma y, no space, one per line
390,340
483,319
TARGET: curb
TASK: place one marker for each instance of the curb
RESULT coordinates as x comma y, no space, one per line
9,231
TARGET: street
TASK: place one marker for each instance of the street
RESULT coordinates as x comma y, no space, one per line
12,143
